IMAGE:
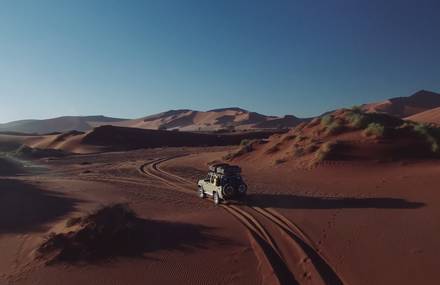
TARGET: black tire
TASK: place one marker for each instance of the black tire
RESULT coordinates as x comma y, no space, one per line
201,193
216,198
228,190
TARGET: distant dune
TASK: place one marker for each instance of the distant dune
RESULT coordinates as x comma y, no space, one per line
217,119
430,116
184,120
112,138
120,138
406,106
60,124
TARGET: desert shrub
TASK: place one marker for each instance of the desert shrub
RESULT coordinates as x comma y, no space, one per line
374,129
326,120
333,128
357,120
325,151
300,138
241,151
357,109
431,135
288,138
300,126
27,152
315,122
311,148
298,151
111,230
244,142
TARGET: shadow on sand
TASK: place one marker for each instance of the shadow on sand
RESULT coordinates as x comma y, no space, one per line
307,202
25,207
116,231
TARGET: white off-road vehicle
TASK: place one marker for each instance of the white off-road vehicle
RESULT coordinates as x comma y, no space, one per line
223,182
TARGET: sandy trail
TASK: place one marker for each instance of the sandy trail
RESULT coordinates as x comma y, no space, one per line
285,253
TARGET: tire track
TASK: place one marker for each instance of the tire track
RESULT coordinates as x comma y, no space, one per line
273,268
315,268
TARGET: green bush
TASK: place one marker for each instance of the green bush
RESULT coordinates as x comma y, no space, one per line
431,135
357,120
245,142
374,129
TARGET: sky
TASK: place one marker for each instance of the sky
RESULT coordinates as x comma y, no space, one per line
134,58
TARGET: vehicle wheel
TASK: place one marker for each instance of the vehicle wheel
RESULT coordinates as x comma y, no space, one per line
216,198
228,190
201,193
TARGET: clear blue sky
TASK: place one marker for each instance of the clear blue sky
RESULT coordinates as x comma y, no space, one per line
134,58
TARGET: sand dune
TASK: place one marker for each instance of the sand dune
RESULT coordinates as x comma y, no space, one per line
185,120
111,138
9,167
345,135
406,106
190,120
60,124
430,116
120,138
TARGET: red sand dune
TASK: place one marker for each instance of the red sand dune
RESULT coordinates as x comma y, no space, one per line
344,135
430,116
111,138
185,120
120,138
60,124
190,120
406,106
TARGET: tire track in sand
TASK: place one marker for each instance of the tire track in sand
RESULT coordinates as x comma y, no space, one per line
299,257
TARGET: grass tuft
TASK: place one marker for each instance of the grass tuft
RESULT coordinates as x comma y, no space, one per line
374,129
431,135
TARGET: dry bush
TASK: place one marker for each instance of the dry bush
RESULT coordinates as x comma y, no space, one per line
374,129
247,148
430,134
325,151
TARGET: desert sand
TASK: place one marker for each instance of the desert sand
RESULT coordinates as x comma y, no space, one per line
113,138
184,120
347,198
429,116
357,224
402,107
